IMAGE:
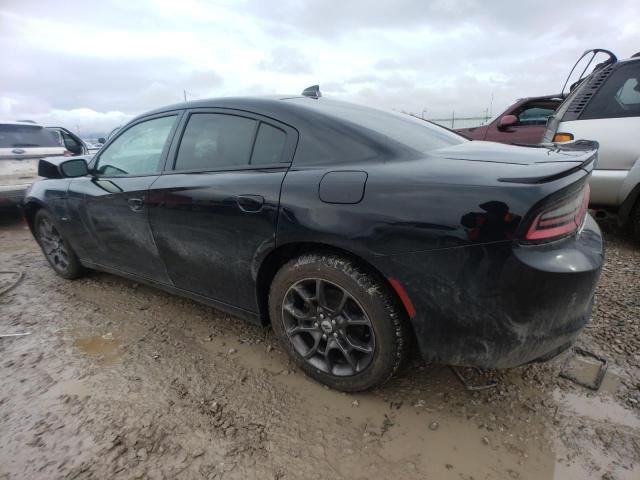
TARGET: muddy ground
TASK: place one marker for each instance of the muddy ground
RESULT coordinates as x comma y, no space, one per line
117,380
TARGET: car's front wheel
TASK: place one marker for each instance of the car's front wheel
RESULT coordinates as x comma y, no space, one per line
338,323
55,247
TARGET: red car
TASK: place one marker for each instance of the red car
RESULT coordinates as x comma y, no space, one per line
523,122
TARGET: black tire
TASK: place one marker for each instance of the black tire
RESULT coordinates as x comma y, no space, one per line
367,348
56,248
634,222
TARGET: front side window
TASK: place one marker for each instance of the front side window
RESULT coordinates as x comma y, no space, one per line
212,141
138,151
619,96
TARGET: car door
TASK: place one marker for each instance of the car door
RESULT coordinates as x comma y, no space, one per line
71,142
214,210
110,203
532,119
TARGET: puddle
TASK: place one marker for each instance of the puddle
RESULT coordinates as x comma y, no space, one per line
69,387
596,408
102,348
585,370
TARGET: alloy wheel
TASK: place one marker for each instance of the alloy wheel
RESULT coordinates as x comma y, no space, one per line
53,245
328,327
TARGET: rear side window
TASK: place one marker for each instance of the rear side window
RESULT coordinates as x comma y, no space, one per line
212,141
619,96
26,136
269,145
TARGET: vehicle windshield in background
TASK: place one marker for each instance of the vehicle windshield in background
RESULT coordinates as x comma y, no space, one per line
26,136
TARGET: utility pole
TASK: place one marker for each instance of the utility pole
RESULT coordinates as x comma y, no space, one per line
491,106
185,95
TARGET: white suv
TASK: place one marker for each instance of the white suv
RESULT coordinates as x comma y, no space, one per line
22,145
605,107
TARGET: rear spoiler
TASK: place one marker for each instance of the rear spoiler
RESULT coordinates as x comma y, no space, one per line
589,147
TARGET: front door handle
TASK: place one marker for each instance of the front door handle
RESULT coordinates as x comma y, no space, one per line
250,203
135,204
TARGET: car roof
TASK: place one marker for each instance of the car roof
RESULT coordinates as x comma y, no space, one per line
14,122
630,59
543,97
294,110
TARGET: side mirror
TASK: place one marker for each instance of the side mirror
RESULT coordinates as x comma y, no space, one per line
102,140
74,168
507,121
61,167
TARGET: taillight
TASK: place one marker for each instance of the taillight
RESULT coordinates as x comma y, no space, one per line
562,137
561,219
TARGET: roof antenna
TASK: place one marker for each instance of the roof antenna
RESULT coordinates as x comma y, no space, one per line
312,92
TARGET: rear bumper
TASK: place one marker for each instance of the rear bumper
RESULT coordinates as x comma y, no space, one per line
501,305
12,195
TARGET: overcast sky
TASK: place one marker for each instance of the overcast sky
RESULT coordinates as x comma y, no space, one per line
96,64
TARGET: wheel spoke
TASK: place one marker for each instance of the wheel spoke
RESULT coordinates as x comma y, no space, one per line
342,303
296,312
317,338
355,321
303,294
346,354
301,329
320,293
356,346
327,358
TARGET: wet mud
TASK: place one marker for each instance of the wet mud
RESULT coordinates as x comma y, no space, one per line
118,380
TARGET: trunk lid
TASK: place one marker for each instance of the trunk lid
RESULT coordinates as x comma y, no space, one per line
535,163
491,152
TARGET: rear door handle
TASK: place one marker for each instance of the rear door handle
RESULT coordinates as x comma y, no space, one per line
135,204
250,203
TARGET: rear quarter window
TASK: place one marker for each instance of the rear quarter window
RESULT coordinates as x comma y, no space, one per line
619,96
419,135
26,136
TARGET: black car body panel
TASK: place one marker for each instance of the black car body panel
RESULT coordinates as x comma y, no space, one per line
445,224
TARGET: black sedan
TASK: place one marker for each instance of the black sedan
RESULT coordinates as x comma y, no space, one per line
352,231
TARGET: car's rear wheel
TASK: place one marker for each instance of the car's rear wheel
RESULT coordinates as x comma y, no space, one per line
55,247
634,222
338,323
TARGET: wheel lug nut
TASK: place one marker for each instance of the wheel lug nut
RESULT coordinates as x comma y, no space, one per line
321,316
335,334
315,324
324,336
333,322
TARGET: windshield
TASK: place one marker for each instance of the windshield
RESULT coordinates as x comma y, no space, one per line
25,136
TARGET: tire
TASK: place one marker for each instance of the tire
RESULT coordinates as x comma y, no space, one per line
634,222
56,249
352,336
